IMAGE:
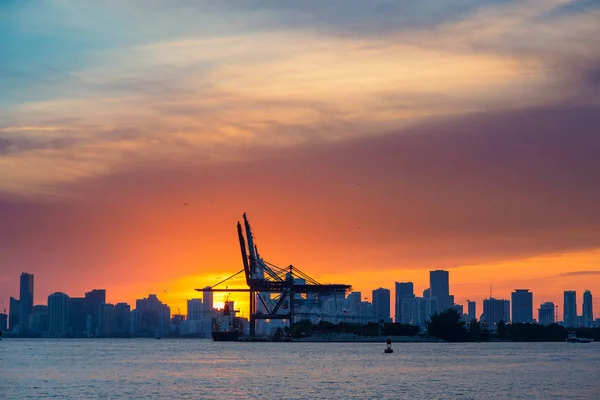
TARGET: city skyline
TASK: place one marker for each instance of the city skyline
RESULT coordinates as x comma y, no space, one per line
400,305
370,142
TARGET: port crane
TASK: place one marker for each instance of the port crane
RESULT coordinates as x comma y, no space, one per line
274,292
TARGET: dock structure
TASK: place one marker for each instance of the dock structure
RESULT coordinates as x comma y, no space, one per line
274,292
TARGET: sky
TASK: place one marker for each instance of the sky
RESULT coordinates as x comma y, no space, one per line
369,143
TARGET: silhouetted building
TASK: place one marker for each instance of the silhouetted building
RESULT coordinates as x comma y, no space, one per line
570,309
411,310
93,301
522,306
472,310
107,320
546,313
439,282
58,314
194,310
381,304
122,318
3,322
429,306
14,314
494,311
153,318
77,316
25,302
588,310
38,320
427,293
404,290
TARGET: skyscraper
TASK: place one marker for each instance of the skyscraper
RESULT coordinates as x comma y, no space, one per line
14,313
194,310
495,310
588,310
570,309
404,290
25,301
439,282
472,310
93,300
522,306
58,314
546,314
381,304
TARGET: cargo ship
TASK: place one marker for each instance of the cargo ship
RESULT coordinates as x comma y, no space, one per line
226,326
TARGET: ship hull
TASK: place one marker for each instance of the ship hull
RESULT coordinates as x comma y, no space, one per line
225,336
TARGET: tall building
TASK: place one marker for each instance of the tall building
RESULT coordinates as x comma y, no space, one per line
588,310
439,282
3,322
381,304
472,310
412,311
25,301
570,309
77,316
404,290
14,313
151,317
522,306
494,311
207,299
58,314
93,301
546,313
122,317
194,310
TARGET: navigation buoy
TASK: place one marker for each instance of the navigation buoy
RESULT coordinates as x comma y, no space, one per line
388,348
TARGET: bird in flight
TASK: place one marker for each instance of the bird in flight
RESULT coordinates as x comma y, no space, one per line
185,204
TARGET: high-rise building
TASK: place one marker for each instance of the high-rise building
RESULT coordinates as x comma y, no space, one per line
427,293
588,310
546,313
412,311
404,290
77,316
570,309
522,306
58,314
14,314
154,317
3,322
494,311
429,306
194,310
472,310
25,301
93,301
381,304
122,313
439,282
38,320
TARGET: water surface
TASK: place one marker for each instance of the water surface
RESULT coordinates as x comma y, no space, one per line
203,369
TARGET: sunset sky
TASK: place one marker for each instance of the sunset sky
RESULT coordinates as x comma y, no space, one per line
368,141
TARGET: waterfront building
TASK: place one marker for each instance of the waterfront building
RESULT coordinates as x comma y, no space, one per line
77,316
381,304
14,313
3,322
122,311
429,306
404,290
494,311
472,310
152,317
93,301
25,302
412,313
588,310
546,313
439,282
570,309
38,320
194,310
522,306
58,314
